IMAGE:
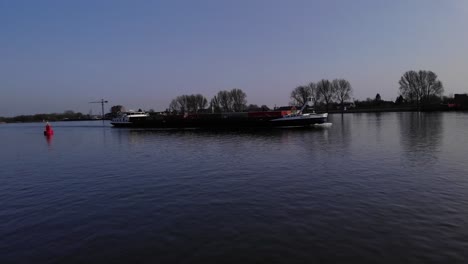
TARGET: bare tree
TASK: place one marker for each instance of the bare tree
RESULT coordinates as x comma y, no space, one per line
174,106
179,104
239,100
225,101
378,98
343,90
420,87
117,109
300,95
326,91
409,87
188,103
253,107
431,86
191,103
313,93
399,100
214,104
265,108
230,101
200,102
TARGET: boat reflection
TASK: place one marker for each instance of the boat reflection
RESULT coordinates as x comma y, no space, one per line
49,139
206,136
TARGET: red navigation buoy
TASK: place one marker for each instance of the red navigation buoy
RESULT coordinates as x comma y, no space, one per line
48,130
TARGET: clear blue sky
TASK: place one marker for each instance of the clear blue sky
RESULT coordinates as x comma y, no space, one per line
60,55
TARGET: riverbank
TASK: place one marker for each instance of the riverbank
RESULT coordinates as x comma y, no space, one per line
434,108
374,110
43,121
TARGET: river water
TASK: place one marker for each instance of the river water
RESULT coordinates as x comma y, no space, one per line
370,188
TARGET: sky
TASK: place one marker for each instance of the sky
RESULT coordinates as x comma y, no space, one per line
61,55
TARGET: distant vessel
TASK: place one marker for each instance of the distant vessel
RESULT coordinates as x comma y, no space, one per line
300,119
222,120
127,119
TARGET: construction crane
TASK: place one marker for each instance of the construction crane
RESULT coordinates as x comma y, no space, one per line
102,102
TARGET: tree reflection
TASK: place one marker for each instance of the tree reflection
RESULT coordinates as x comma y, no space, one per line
343,136
421,136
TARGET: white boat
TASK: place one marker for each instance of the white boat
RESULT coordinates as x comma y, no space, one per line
127,118
300,119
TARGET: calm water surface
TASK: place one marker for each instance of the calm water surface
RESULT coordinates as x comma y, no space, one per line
380,188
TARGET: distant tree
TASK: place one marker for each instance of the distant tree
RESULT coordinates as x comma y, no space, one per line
448,99
265,108
326,92
343,91
200,101
191,104
256,108
117,109
174,106
214,104
300,95
238,99
225,101
316,97
420,87
178,104
253,107
230,101
188,103
399,100
377,98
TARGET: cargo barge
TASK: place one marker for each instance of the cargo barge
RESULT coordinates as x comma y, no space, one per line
222,120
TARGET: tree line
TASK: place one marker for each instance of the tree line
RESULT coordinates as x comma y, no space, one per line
234,100
323,92
417,88
67,115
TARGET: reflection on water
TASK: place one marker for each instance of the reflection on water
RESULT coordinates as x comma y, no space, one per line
378,125
49,139
371,188
421,136
341,132
141,136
